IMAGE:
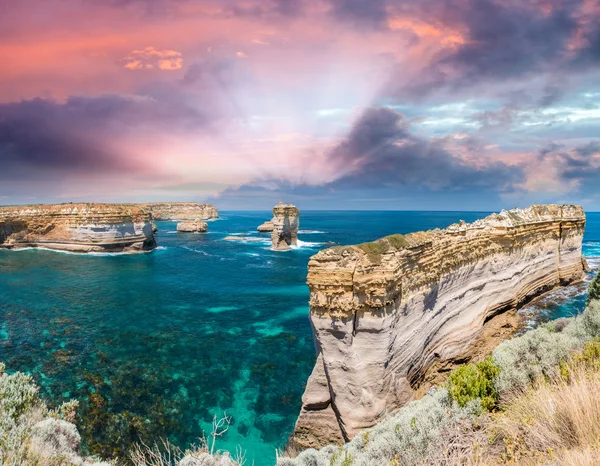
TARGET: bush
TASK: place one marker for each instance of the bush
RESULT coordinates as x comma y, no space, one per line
475,381
375,250
538,353
594,288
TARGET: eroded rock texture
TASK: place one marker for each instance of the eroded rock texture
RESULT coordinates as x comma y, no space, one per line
385,314
286,219
265,227
181,211
77,227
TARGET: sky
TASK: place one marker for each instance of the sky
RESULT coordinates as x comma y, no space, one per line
328,104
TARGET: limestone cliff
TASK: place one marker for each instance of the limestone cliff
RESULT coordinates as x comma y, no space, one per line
286,219
181,211
77,227
387,314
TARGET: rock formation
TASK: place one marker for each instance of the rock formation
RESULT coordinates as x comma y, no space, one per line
286,219
391,315
265,227
181,211
77,227
195,226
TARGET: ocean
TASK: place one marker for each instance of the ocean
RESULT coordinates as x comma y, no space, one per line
154,345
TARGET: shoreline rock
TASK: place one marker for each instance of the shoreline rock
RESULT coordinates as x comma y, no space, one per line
391,316
286,220
79,227
243,239
195,226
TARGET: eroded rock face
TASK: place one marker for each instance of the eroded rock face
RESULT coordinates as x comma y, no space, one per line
77,227
388,314
181,211
195,226
286,219
265,227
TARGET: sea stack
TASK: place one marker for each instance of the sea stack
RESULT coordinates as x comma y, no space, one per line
286,219
195,226
391,317
181,211
77,227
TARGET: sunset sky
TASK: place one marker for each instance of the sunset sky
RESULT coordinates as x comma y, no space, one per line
332,104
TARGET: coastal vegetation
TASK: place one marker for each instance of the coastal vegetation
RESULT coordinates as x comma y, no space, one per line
532,401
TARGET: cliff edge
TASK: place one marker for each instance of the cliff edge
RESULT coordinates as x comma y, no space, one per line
181,211
387,314
77,227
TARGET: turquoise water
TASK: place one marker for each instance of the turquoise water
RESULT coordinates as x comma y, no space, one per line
156,344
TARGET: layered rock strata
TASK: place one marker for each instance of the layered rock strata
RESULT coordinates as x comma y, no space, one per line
77,227
181,211
265,227
196,226
286,220
388,313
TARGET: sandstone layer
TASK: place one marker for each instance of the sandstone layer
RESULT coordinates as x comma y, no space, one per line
286,220
181,211
385,314
195,226
77,227
266,227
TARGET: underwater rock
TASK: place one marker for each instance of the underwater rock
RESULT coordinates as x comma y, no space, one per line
286,220
181,211
391,317
77,227
196,226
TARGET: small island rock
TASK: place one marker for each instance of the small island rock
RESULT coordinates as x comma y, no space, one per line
194,226
266,227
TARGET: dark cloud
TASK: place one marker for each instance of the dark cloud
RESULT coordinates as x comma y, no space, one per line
85,133
503,40
381,151
371,13
383,164
266,9
579,164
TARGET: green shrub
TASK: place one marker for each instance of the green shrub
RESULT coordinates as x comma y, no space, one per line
473,381
397,241
375,250
594,288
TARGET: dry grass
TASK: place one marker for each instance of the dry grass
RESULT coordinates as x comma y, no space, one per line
557,422
556,416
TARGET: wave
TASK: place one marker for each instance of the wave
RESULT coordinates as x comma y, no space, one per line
307,244
91,253
197,251
311,232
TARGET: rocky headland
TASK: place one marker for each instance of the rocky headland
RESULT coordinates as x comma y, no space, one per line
393,315
77,227
286,220
181,211
194,226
